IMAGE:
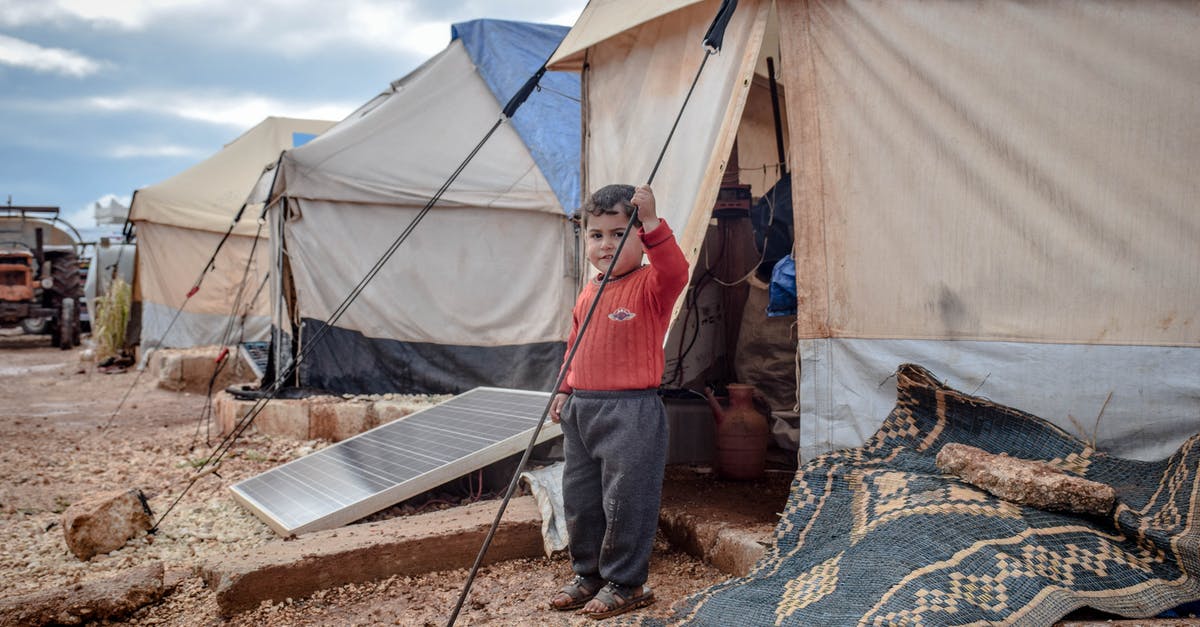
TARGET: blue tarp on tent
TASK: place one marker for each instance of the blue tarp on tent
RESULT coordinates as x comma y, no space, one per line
507,54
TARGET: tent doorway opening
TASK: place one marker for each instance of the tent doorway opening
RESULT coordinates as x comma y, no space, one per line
736,323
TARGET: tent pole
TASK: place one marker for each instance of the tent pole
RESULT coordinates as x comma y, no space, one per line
778,118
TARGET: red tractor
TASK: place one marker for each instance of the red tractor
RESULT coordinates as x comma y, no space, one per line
41,280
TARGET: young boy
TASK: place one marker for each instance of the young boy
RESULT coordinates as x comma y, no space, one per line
614,424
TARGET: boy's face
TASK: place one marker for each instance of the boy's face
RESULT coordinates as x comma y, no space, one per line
603,234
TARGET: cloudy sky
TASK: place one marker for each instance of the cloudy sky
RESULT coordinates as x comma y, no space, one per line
101,97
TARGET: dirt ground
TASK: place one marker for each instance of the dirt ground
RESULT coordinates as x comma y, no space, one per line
62,442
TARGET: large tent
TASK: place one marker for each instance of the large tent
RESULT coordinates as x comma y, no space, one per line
1003,192
480,294
180,223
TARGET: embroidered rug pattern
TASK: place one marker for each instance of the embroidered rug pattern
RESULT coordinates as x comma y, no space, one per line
878,536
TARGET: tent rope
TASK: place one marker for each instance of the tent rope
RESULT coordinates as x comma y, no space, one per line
712,44
208,267
232,320
247,419
224,446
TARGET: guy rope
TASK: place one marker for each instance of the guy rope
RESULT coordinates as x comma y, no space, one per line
224,446
208,267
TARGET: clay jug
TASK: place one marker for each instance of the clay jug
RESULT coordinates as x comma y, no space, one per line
742,433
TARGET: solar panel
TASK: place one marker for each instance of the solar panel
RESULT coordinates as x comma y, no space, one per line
255,354
357,477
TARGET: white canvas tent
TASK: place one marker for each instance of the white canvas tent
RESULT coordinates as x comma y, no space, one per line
480,294
180,222
1003,192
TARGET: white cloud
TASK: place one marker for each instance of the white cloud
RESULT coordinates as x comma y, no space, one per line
82,219
23,54
393,27
236,110
295,27
23,12
567,16
134,151
129,15
406,26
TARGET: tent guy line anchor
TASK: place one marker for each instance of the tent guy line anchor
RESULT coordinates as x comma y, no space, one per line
712,44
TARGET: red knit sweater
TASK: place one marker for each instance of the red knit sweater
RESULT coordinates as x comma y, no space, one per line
623,346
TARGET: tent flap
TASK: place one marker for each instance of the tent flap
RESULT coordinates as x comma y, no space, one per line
506,55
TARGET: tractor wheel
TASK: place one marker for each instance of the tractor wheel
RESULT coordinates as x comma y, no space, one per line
68,325
35,326
68,286
64,268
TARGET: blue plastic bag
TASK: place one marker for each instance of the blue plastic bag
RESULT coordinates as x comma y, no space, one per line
782,292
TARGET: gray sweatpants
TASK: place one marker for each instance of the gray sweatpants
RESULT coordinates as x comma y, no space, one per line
615,444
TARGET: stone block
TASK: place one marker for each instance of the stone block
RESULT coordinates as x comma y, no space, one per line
285,417
1026,482
191,369
91,602
732,548
166,368
336,419
229,411
411,545
104,522
387,411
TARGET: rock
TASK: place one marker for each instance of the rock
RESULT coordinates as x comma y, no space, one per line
108,598
1026,482
105,522
191,369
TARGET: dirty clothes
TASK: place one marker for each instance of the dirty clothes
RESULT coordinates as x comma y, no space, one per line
615,444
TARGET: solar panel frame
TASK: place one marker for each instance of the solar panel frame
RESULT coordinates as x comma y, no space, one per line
424,450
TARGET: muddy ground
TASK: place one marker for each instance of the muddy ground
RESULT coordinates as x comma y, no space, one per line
61,442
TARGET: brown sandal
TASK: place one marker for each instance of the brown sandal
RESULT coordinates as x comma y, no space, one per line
618,599
578,593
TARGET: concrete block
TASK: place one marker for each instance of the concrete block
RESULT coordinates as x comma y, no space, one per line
733,548
411,545
90,602
387,411
229,411
337,420
166,368
284,417
191,369
737,550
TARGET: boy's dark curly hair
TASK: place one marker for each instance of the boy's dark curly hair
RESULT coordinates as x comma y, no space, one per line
611,200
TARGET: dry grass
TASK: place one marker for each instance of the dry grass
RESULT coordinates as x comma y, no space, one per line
111,317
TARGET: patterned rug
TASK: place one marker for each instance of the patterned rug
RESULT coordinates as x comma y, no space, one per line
877,536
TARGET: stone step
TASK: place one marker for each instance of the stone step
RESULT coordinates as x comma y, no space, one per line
411,545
